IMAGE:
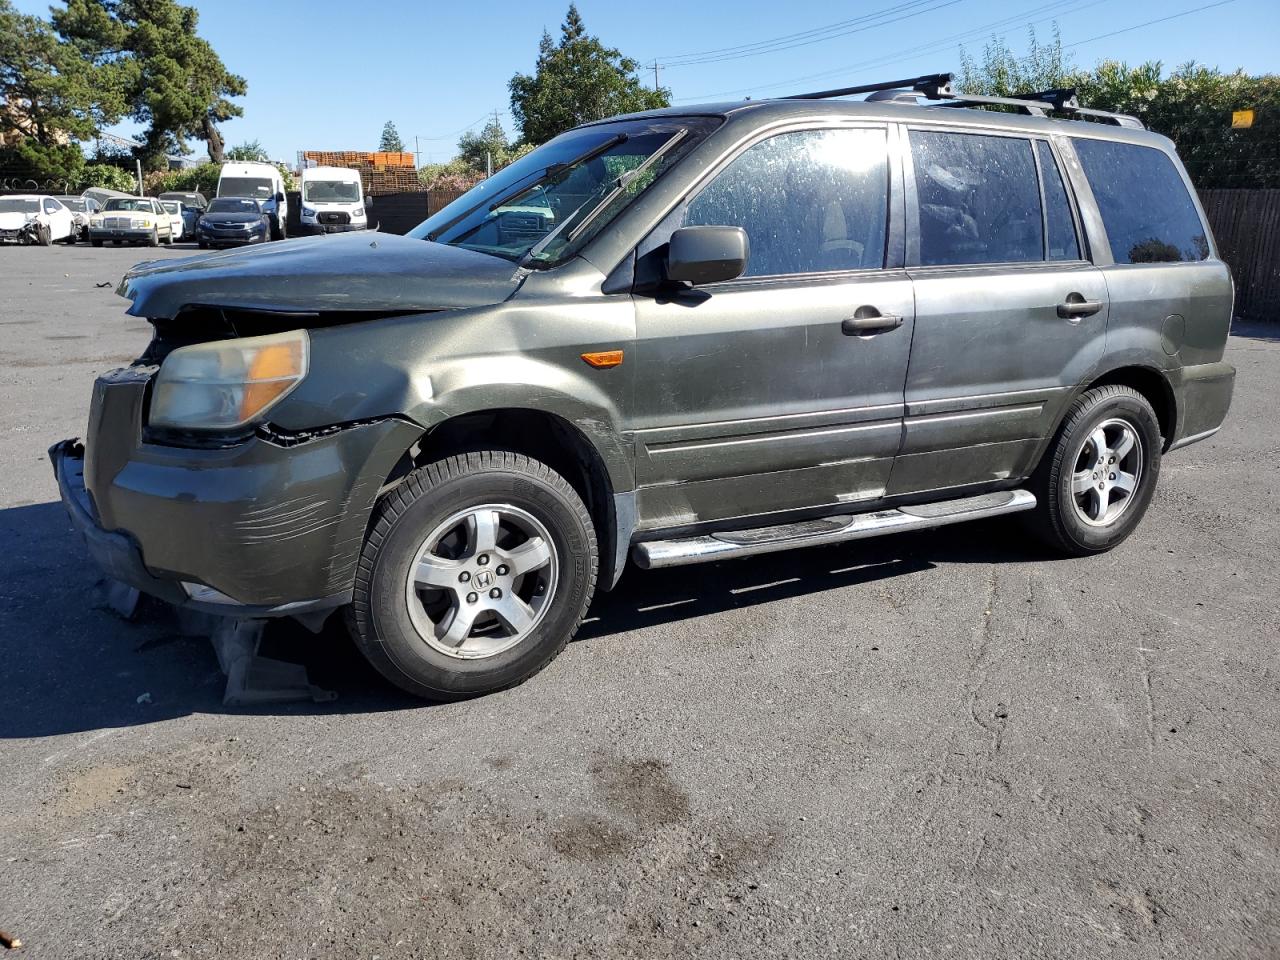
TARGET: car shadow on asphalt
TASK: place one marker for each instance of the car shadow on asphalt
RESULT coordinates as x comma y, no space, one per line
71,664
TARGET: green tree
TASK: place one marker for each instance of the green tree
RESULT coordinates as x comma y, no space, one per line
576,80
390,142
251,150
50,97
1193,105
1002,73
173,80
106,175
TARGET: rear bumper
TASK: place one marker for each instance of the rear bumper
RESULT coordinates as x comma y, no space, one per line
1205,399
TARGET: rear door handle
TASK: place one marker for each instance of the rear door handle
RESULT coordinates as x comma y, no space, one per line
869,320
1076,306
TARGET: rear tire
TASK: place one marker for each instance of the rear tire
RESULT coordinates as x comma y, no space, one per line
476,572
1098,477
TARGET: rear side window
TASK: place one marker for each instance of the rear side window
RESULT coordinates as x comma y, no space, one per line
1060,233
811,202
979,199
1146,209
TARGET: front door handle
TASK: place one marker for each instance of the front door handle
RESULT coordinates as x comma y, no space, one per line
868,320
1076,306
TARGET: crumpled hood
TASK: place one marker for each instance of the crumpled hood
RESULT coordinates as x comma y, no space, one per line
365,272
12,221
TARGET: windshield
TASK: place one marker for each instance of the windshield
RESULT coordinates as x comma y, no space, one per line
18,205
233,205
73,203
130,204
544,206
257,187
330,191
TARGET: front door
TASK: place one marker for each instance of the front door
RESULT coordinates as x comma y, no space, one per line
1010,316
781,390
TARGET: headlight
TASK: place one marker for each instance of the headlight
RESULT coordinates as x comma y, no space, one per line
95,221
227,383
141,222
308,212
357,213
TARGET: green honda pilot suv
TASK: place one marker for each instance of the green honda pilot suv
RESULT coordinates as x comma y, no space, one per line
680,336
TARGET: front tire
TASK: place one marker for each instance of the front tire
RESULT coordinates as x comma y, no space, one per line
154,239
1098,477
476,572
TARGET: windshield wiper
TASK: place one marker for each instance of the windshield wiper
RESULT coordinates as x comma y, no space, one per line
553,169
620,184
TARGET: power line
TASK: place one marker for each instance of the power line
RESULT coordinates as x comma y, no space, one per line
461,130
1139,26
1052,10
817,35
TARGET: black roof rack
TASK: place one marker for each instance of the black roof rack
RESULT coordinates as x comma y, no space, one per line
937,87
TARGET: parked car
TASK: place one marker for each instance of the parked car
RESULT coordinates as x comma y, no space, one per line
82,208
178,223
193,205
691,334
131,220
35,218
262,182
333,200
232,222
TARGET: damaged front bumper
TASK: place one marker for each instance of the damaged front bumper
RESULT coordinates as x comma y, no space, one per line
253,529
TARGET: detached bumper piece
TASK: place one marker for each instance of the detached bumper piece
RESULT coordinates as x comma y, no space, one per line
251,678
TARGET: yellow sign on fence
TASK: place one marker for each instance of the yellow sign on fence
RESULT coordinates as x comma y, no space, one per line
1241,119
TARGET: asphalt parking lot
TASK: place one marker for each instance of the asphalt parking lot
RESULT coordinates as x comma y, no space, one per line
934,744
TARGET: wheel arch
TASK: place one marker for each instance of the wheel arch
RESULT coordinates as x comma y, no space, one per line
1153,384
552,439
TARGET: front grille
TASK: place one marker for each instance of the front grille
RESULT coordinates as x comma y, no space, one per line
334,216
117,223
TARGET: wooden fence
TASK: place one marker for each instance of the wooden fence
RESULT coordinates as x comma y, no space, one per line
1246,224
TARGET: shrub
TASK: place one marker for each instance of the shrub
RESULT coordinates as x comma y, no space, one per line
106,175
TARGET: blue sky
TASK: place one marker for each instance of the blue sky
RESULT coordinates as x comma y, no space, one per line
326,75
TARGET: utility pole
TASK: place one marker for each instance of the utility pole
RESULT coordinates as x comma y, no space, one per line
415,152
655,75
488,164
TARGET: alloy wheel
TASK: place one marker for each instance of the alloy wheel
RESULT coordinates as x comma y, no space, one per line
1108,469
482,581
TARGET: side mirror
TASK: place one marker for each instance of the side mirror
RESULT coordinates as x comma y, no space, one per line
699,255
279,198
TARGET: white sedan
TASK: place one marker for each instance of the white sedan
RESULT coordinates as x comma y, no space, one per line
35,218
177,225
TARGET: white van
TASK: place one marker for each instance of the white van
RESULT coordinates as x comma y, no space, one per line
257,181
332,200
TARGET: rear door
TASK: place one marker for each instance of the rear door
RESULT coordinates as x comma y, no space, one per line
782,389
1010,315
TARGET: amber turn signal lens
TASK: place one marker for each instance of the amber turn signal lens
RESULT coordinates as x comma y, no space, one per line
603,359
274,370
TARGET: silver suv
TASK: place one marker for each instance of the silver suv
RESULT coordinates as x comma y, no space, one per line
680,336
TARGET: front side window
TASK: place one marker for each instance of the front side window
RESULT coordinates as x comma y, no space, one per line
812,201
50,206
1147,212
979,199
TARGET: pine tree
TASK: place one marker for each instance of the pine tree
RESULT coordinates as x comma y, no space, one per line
391,142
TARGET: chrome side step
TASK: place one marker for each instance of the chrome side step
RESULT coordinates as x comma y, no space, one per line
810,533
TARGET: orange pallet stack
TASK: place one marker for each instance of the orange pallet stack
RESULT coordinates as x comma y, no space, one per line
381,172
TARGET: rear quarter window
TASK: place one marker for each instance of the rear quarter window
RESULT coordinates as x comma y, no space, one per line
1146,209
